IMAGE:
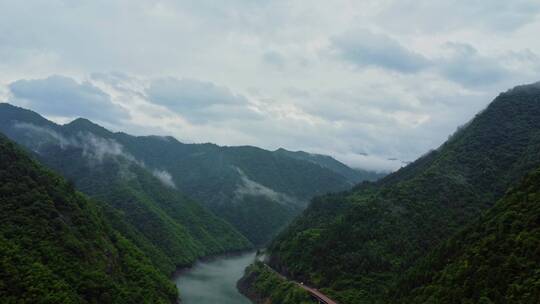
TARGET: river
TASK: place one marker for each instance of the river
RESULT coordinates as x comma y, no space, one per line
214,281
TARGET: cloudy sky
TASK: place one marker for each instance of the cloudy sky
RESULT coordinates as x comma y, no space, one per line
373,83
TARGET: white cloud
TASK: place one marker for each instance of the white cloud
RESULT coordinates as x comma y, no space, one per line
363,48
189,93
94,148
446,16
469,68
164,177
199,101
291,74
249,187
274,58
98,148
45,135
63,96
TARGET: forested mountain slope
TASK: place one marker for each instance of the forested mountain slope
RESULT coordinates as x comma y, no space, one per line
148,209
257,191
354,244
496,259
57,247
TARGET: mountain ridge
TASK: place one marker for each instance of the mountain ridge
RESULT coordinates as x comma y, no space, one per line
355,243
147,208
208,172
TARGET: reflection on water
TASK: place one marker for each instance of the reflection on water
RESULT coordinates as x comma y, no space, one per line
214,282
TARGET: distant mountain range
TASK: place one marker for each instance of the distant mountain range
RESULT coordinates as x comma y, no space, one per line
255,190
353,175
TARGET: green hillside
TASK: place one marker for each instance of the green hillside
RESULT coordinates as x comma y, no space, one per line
354,244
180,229
262,285
256,190
57,247
496,259
170,228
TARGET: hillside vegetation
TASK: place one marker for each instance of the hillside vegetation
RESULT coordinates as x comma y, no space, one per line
496,259
255,190
56,246
355,244
263,285
171,229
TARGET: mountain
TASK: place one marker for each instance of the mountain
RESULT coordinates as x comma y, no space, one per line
325,161
147,208
496,259
256,190
355,244
56,246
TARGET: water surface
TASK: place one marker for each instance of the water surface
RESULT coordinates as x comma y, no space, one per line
214,282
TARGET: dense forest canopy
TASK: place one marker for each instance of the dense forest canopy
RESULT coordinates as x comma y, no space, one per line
57,246
172,229
493,260
356,243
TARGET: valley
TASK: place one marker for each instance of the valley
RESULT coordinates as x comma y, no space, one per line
402,238
179,203
356,245
269,152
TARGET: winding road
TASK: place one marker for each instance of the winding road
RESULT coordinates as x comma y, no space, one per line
319,296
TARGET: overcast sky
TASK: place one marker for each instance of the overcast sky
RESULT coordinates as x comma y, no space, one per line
372,83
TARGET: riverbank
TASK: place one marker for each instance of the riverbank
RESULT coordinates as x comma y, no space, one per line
262,285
